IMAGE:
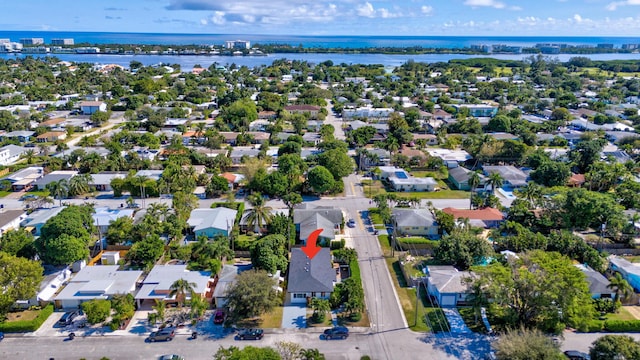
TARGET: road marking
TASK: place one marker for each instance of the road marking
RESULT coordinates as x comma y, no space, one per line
353,189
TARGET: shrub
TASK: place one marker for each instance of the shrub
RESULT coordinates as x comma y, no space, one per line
27,326
337,244
356,316
592,326
622,325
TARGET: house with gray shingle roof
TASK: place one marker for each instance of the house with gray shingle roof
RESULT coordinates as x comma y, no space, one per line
310,278
307,219
415,222
598,284
445,284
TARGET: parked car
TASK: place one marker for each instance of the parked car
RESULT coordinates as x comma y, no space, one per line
27,196
1,336
166,334
218,317
250,334
68,317
337,332
576,355
351,223
171,357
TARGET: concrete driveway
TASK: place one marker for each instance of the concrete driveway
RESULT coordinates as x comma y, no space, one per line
294,316
456,323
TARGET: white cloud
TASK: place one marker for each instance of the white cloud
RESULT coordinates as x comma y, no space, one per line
425,9
613,6
577,18
366,10
485,3
218,18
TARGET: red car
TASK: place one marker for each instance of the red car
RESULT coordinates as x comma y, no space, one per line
218,317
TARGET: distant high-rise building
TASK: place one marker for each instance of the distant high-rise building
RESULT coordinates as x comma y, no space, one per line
624,46
32,41
4,41
62,42
238,44
604,46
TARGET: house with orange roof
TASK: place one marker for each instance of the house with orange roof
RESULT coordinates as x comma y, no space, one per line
52,122
576,180
486,217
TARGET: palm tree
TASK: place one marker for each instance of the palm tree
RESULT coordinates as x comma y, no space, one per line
180,288
311,354
158,210
29,155
620,286
79,184
532,193
474,182
259,214
320,308
496,181
198,306
159,307
59,189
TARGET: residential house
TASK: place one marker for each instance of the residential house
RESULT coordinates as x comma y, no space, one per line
52,122
104,216
92,107
310,278
576,180
459,178
410,183
51,136
445,284
487,217
429,139
234,180
36,220
23,179
629,271
373,157
415,222
97,282
212,222
11,219
314,125
312,137
513,177
313,110
102,181
598,284
451,158
478,110
371,113
154,175
157,285
21,136
223,281
308,218
229,137
258,137
9,154
54,176
237,153
259,125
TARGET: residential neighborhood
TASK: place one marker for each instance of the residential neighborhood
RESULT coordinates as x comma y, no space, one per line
462,199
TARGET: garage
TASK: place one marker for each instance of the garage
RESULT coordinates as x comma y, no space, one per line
448,300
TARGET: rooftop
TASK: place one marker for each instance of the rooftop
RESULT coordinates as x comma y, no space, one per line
311,275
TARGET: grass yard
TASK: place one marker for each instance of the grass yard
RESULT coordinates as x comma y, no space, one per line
429,318
469,317
311,324
4,193
385,244
38,192
442,194
26,315
343,319
372,188
272,319
622,314
434,174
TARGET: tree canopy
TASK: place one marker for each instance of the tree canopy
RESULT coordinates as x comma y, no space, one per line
19,279
251,295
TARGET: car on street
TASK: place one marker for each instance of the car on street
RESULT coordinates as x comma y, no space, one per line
27,197
337,332
171,357
68,317
250,334
1,336
576,355
351,223
166,334
218,317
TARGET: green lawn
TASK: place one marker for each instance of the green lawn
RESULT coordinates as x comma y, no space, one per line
442,194
4,193
469,317
39,192
385,245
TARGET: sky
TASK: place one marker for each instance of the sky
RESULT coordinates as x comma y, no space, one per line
330,17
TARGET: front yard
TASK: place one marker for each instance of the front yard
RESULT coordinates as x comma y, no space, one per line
270,320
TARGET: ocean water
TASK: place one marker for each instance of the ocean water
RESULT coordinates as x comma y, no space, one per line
188,61
311,41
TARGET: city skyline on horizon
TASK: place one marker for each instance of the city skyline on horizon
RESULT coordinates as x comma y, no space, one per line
553,18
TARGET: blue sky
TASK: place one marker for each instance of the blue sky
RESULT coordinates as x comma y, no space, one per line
330,17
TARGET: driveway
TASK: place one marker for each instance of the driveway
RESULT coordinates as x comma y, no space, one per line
456,324
294,316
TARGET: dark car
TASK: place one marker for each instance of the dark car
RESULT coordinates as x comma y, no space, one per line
218,317
68,317
338,332
250,334
351,223
576,355
162,335
171,357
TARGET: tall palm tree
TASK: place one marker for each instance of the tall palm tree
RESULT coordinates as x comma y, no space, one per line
29,155
180,288
159,307
532,193
158,210
79,184
259,214
474,182
496,181
311,354
198,306
620,286
59,189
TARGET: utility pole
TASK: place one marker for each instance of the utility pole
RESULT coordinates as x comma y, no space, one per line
415,321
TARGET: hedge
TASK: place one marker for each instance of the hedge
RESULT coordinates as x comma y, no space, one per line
622,325
27,326
592,326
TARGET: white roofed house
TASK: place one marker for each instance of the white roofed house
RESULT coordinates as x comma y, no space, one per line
102,181
103,217
91,107
10,219
157,285
96,282
9,154
212,222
